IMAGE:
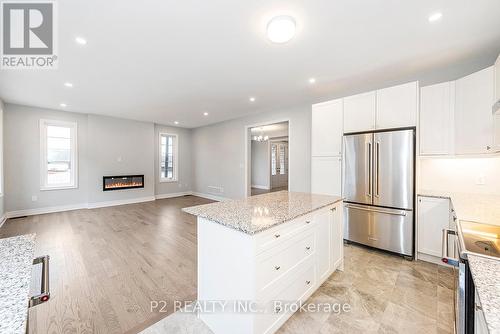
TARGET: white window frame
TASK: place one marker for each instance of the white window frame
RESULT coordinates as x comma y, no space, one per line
175,156
44,123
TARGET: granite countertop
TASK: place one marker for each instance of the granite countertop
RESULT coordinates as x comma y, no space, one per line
16,261
486,276
257,213
485,271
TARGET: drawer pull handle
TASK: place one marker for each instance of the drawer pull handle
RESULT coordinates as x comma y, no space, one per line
308,247
277,236
277,267
333,209
308,282
277,309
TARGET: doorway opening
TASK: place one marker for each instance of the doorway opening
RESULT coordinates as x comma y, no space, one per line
269,153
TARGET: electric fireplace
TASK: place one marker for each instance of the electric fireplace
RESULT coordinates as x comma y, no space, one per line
121,182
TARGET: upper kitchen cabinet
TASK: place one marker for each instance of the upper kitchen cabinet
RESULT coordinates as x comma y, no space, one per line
397,106
359,112
326,175
327,128
474,96
436,119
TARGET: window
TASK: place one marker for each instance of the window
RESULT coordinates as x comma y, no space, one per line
168,157
58,155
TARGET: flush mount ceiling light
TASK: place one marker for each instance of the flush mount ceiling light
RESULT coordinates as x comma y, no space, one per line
176,123
205,114
281,29
64,105
81,40
435,17
251,99
312,80
68,84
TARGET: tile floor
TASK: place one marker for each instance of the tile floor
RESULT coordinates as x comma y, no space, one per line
387,294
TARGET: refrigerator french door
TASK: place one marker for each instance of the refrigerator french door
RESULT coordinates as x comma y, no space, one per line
379,189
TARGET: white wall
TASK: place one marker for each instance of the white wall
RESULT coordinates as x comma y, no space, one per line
185,172
119,147
219,152
261,166
461,174
2,185
22,159
102,143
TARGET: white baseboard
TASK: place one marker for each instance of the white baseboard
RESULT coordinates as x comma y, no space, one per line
41,211
2,220
257,186
52,209
120,202
171,195
210,196
430,258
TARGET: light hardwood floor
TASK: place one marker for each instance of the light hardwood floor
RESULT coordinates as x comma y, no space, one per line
108,264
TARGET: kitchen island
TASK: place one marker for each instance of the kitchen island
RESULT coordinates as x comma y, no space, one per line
16,261
260,256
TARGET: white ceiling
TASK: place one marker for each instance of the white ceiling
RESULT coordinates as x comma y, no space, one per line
166,61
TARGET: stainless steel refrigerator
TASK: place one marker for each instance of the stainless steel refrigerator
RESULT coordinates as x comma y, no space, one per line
379,177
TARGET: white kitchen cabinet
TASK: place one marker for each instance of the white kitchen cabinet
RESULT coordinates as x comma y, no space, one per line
359,112
474,126
337,228
326,175
480,326
497,79
436,119
323,222
397,106
327,128
433,216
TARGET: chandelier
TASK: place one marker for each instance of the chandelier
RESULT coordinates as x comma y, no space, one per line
261,138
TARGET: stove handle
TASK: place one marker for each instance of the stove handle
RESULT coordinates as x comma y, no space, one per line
445,257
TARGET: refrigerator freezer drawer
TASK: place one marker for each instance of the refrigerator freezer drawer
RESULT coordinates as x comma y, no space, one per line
387,229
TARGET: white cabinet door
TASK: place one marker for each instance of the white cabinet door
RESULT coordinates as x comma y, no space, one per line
323,243
327,128
497,79
397,106
436,119
326,175
337,237
473,116
480,326
433,217
359,112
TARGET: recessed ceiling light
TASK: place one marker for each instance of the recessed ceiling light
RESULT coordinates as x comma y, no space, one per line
281,29
312,80
435,17
81,40
205,114
252,99
64,105
68,84
176,122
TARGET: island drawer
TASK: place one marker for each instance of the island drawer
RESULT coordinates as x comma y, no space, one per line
274,236
281,260
296,288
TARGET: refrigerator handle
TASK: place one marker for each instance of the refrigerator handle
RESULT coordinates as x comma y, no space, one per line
377,168
369,178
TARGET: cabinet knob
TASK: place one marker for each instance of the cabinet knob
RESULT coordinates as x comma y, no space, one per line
308,222
308,282
478,307
308,248
277,267
277,235
488,147
333,209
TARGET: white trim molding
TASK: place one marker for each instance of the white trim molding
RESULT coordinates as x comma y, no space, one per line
172,195
258,186
71,207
